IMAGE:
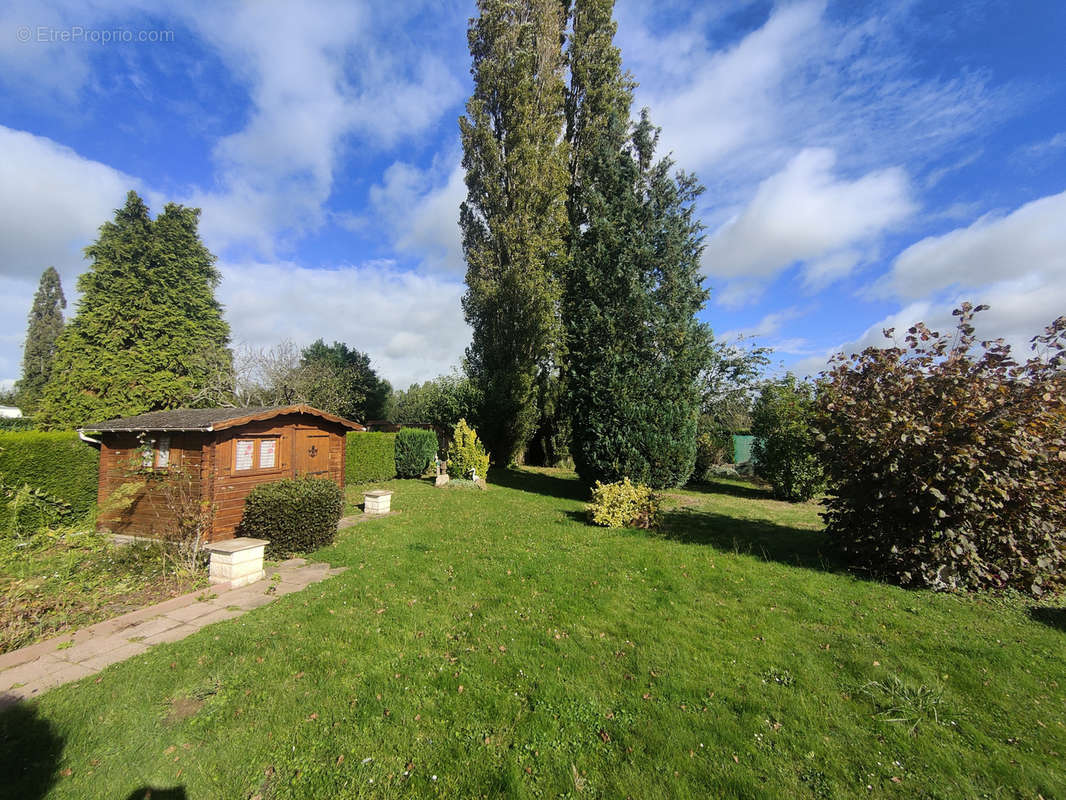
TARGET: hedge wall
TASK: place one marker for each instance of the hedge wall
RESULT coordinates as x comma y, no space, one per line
370,457
58,463
16,424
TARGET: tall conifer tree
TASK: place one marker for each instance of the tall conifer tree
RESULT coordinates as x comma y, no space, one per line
514,222
634,346
147,325
42,332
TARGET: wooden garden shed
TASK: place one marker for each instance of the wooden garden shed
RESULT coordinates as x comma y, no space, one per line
219,453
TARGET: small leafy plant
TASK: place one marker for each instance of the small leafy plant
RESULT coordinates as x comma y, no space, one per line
466,454
623,504
905,703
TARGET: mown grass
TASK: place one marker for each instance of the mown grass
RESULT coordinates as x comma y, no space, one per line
60,580
491,644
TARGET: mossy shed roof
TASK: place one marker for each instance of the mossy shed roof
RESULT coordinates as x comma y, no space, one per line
209,419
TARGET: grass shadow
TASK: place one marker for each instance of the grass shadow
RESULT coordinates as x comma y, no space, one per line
1052,617
768,540
527,480
152,793
30,750
741,489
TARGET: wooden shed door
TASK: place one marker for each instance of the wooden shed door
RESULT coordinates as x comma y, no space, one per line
312,453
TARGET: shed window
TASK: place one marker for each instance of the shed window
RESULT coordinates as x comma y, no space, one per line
155,453
244,454
255,455
268,453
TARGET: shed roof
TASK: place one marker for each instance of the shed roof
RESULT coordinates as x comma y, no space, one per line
209,419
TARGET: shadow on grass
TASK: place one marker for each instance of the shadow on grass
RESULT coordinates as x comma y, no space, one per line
539,483
1052,617
29,750
768,540
151,793
746,491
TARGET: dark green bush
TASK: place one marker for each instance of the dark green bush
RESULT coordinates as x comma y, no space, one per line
784,450
370,457
58,464
947,459
415,450
296,515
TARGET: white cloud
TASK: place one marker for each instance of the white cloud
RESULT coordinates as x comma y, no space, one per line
318,77
43,69
421,210
805,213
52,201
732,97
1038,152
1018,310
767,326
410,325
1029,241
322,77
735,109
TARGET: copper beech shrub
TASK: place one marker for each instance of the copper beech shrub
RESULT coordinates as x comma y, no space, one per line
947,461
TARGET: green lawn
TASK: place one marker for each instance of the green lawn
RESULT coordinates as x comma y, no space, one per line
486,644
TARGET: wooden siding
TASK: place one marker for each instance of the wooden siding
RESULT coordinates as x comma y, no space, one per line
120,464
230,488
208,456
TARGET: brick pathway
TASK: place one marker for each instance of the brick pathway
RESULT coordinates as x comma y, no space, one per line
33,670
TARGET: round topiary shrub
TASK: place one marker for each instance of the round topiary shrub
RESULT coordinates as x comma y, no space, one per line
415,449
295,515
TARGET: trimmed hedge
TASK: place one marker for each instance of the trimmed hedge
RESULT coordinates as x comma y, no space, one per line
415,449
56,463
370,457
16,424
296,515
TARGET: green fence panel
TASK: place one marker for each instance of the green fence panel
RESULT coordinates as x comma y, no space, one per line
742,444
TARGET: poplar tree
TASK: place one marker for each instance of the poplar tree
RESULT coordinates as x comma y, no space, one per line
147,327
514,220
599,91
44,327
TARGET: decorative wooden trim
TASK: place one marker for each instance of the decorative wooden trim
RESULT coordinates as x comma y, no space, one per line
277,412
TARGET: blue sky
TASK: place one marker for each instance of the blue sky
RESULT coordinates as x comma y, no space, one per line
867,165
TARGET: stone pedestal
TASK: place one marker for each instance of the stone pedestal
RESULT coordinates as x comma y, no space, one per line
237,562
378,501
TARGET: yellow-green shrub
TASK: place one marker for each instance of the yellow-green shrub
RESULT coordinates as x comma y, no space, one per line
623,504
466,453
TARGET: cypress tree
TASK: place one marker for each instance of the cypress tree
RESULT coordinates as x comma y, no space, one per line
635,348
514,219
44,327
147,325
